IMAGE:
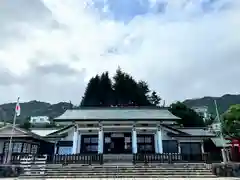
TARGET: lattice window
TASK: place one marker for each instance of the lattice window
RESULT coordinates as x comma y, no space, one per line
25,145
89,143
87,140
28,148
94,140
145,143
17,147
34,149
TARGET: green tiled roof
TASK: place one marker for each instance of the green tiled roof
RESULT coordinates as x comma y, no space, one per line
219,143
118,114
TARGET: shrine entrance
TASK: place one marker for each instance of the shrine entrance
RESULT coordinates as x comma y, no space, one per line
117,143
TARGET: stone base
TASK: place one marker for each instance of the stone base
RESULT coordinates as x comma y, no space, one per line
226,170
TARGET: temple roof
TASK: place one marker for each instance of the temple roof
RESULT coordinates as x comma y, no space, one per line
117,114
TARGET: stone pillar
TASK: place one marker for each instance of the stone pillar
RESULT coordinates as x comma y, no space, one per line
156,142
100,139
134,140
159,140
75,140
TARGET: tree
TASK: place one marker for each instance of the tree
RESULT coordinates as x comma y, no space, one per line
124,90
189,118
105,91
91,97
129,92
26,124
154,98
99,91
123,87
231,121
209,120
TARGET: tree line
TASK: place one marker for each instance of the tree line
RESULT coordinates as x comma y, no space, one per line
124,90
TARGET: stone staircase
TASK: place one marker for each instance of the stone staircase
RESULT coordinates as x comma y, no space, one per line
123,171
108,158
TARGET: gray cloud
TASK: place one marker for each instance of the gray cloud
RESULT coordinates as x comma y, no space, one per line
7,78
53,83
186,49
58,69
22,11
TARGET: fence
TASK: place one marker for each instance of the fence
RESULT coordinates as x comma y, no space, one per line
171,158
99,158
78,159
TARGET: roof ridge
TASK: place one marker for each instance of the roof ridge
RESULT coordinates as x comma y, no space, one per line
120,108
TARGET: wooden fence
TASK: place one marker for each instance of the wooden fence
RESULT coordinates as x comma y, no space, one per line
78,159
171,158
99,158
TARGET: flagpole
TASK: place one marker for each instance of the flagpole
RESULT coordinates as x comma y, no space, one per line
221,134
11,137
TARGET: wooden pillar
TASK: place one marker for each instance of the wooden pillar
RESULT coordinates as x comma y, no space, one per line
100,139
159,139
202,147
134,140
75,140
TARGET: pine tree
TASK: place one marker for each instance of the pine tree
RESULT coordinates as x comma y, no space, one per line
123,91
91,95
154,99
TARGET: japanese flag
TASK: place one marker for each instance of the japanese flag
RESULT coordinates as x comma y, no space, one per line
18,109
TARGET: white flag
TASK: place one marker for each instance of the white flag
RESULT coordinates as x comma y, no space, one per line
18,109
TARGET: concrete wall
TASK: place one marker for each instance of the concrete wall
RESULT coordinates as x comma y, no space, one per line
69,137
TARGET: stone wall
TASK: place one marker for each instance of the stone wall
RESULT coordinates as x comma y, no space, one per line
10,171
226,170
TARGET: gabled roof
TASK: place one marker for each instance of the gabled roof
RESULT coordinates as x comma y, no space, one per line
43,132
62,130
117,114
6,132
174,130
221,143
193,132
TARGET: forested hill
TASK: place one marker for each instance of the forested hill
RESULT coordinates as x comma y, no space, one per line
32,108
223,102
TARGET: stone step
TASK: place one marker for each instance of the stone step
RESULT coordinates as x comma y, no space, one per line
121,176
130,164
109,167
140,169
123,170
120,167
127,173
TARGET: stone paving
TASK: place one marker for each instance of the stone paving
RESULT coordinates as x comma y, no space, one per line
224,178
153,179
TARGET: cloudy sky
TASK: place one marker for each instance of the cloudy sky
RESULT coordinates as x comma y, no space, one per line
182,48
